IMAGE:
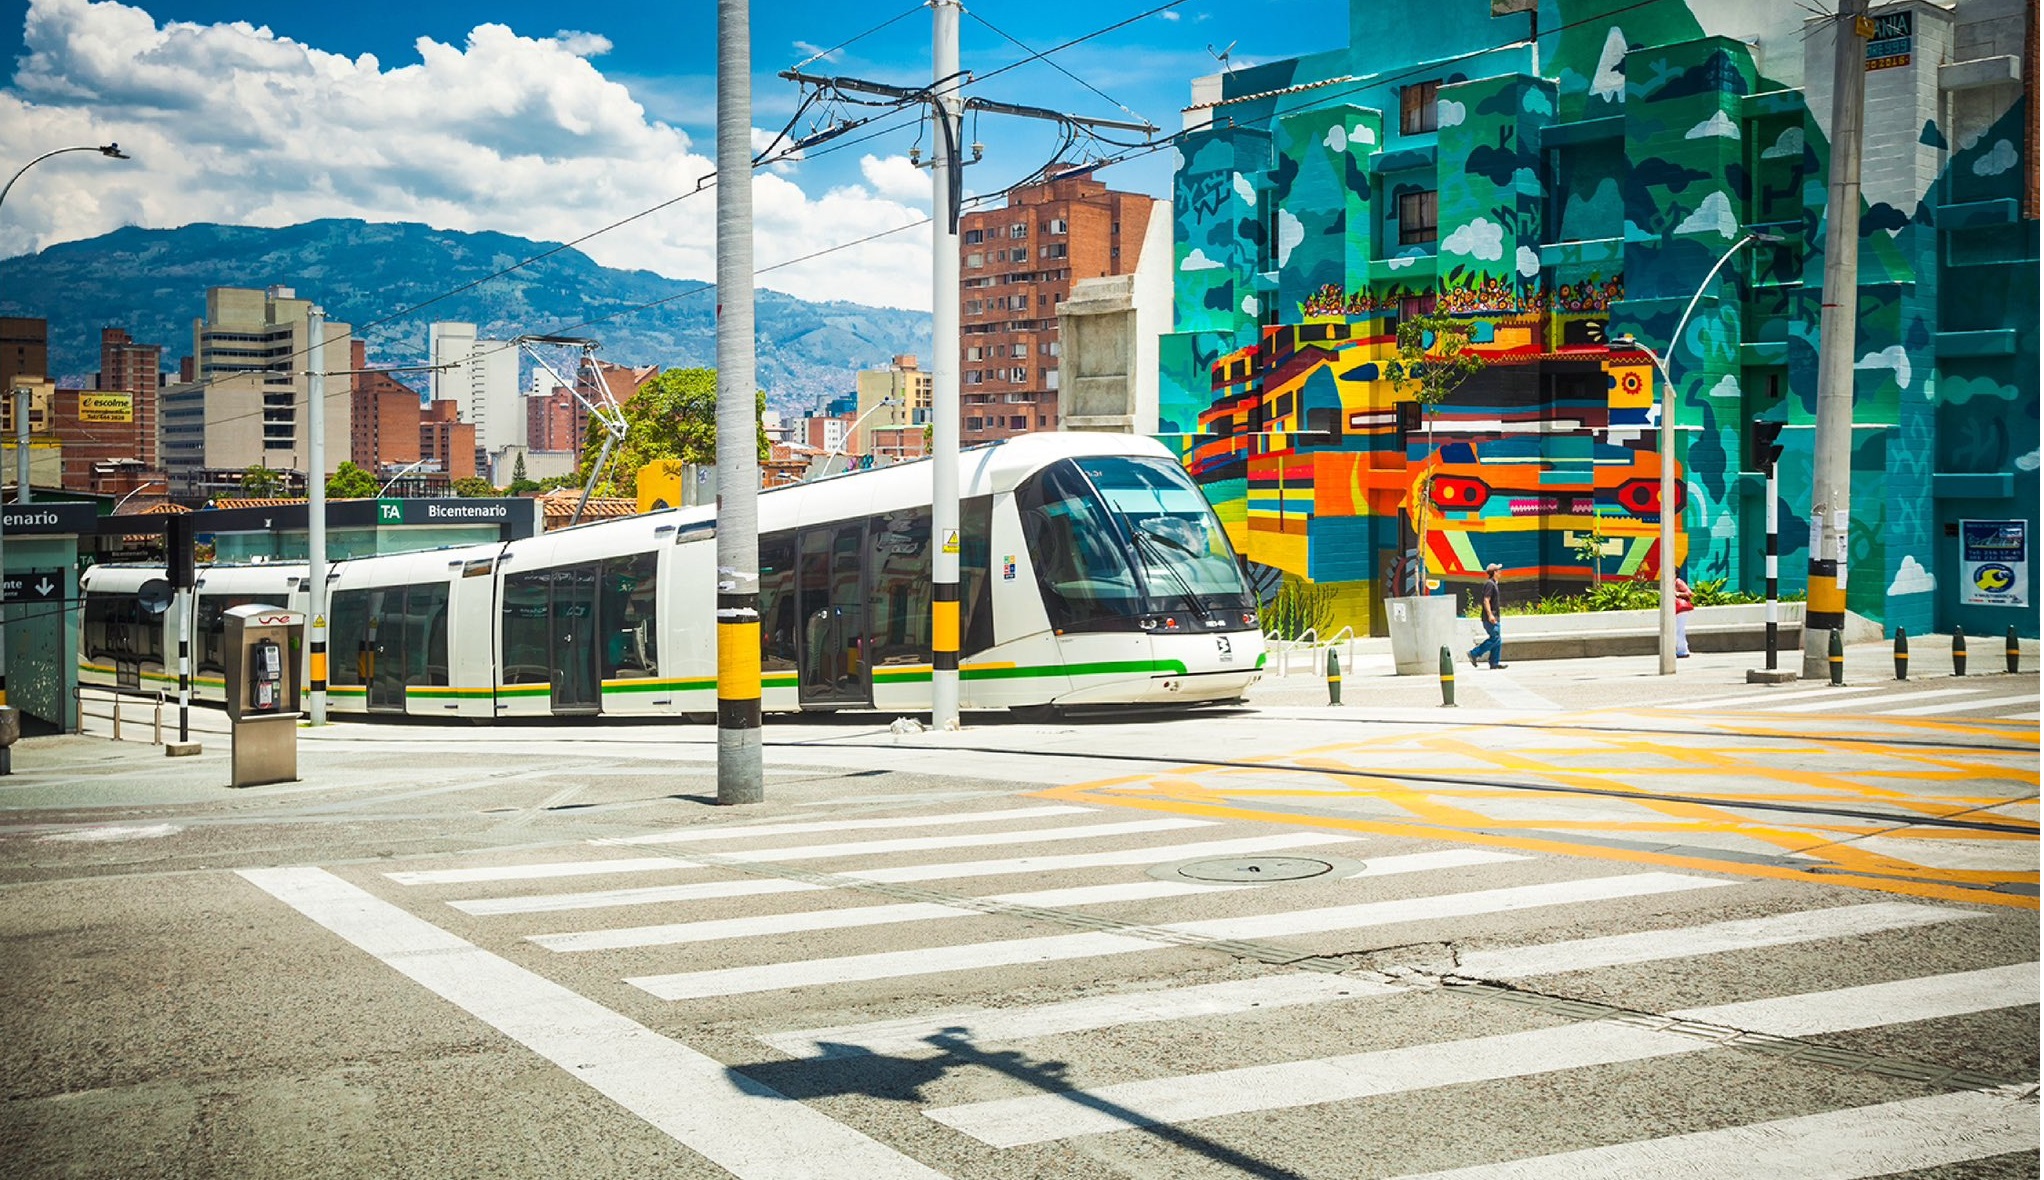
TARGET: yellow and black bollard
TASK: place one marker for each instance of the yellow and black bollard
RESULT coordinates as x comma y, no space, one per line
1958,651
1837,656
1901,654
1447,679
1333,678
2015,651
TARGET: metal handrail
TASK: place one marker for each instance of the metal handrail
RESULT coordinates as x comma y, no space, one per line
155,699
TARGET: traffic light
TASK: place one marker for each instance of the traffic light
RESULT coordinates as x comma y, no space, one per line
1765,450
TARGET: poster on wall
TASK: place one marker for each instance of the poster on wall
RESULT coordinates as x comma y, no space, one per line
1994,562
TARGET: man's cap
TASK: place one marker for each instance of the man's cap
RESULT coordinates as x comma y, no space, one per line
1492,568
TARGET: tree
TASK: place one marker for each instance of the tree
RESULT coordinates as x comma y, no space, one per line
673,416
521,483
1433,361
261,483
349,482
474,487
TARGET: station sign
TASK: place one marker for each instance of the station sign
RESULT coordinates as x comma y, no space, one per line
34,586
55,518
413,511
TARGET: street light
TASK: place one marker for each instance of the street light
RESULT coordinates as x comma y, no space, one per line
1667,430
111,151
132,492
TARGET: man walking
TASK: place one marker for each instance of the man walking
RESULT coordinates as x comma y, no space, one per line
1493,633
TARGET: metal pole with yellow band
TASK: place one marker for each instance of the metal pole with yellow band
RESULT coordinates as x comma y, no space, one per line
740,773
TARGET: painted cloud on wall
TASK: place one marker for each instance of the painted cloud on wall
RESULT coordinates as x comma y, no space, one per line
1892,357
1198,260
1789,145
1481,239
1608,83
1912,578
1999,159
1290,232
1719,124
1714,212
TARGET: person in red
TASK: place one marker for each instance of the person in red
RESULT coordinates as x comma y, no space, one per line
1684,603
1493,630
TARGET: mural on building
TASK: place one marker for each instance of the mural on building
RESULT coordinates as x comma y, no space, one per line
1564,211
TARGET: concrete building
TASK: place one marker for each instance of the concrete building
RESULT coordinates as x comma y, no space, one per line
24,349
481,381
384,415
246,403
903,384
93,428
1557,198
1017,264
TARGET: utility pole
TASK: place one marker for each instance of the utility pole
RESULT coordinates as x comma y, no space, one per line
315,508
1831,467
947,112
945,170
741,777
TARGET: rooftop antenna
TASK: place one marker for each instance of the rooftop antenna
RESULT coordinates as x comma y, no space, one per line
1222,55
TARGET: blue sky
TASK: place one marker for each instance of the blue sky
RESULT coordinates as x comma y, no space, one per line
550,121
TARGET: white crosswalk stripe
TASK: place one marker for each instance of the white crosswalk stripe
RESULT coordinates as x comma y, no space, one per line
1880,704
1872,700
1986,705
706,833
1853,1144
1042,1118
728,981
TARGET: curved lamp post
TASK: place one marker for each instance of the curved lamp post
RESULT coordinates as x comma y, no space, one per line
407,469
132,493
1667,429
111,151
852,430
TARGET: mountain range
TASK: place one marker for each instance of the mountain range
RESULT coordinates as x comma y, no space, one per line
152,282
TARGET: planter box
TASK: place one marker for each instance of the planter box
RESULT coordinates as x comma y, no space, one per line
1420,628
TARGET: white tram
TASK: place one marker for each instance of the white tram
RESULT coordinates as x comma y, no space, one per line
1092,573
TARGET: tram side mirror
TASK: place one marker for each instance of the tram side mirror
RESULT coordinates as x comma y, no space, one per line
153,596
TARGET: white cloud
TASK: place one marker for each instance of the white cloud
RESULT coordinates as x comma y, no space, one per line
1482,239
1788,145
1362,133
1291,231
1451,113
1245,190
1198,260
1529,261
1999,159
1714,212
520,134
1892,357
1168,15
895,177
1719,124
1912,578
1608,83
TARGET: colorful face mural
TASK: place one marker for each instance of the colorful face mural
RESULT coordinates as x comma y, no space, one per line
1561,211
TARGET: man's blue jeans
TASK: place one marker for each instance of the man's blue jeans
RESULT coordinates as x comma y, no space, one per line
1493,643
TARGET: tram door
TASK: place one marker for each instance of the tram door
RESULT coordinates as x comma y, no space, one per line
404,641
832,658
550,634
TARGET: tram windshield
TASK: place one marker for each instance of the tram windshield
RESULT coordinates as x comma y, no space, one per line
1114,538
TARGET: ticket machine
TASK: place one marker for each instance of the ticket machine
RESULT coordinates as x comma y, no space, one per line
264,648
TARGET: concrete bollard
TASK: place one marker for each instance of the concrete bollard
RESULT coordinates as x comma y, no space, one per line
1958,651
1837,656
2015,651
1333,678
1447,679
1901,654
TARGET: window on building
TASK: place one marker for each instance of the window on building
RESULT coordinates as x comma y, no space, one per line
1018,230
1019,254
974,237
1021,350
972,423
975,259
1418,108
973,353
1057,225
1050,348
1018,375
1416,305
1418,217
1043,419
1058,250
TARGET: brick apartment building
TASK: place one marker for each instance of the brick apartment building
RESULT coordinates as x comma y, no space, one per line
1016,265
444,436
384,420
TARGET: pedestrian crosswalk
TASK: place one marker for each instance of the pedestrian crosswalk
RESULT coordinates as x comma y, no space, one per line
1875,700
861,944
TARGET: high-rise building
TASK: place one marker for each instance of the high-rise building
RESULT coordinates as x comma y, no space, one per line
24,350
444,437
246,403
481,378
902,384
554,420
1016,265
127,366
385,415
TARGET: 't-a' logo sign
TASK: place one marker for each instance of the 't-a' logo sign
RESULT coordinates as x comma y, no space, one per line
390,512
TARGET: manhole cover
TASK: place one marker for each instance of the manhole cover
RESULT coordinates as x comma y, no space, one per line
1248,870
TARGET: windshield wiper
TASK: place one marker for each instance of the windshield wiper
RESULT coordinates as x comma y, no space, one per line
1184,587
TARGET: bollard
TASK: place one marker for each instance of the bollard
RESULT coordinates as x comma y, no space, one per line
1958,651
1901,654
117,719
1333,677
2015,651
1837,656
1447,679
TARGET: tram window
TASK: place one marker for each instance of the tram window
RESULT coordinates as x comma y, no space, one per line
629,613
425,633
526,654
1080,563
898,596
348,637
211,626
116,625
777,607
975,584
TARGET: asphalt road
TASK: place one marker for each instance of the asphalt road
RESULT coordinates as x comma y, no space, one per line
1571,928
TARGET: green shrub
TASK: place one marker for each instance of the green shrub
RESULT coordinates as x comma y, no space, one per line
1298,606
1636,593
